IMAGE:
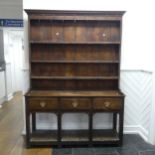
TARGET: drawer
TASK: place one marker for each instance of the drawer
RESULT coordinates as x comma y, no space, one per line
75,103
108,103
42,104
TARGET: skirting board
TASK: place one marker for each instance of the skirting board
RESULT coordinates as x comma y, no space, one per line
2,100
9,97
5,98
137,129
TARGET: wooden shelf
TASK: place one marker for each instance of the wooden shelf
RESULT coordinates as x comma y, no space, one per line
75,77
76,61
44,136
83,135
56,93
83,43
105,135
75,135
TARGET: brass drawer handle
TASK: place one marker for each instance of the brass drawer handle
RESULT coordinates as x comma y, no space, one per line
42,104
107,104
103,35
57,33
75,104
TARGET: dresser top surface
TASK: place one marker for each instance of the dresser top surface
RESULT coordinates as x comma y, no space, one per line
88,12
74,15
109,93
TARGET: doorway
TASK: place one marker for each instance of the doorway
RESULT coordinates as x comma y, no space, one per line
13,53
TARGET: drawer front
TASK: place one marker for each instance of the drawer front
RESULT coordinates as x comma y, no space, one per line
75,104
108,103
42,104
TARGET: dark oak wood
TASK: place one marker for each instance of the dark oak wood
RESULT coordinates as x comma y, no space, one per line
75,61
75,15
75,68
77,42
110,93
76,52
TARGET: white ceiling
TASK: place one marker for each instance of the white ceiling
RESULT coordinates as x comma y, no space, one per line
11,2
11,9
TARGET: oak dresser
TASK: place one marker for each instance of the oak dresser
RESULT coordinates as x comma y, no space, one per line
74,68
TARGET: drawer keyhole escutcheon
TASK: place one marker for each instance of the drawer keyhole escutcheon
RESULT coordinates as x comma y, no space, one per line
42,104
106,104
75,104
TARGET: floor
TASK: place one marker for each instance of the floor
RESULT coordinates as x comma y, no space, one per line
12,142
11,127
133,145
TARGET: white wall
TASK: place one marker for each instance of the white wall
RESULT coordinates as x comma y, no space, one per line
11,9
2,87
137,86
